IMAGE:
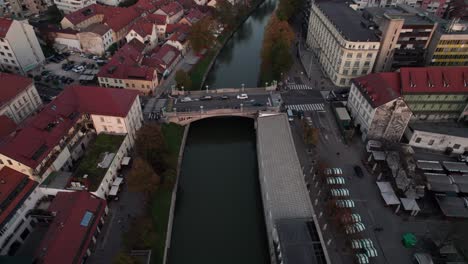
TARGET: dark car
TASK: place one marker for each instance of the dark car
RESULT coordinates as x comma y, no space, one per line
206,98
45,73
224,97
358,171
257,104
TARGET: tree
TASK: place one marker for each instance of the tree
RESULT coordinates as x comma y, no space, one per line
142,177
201,34
151,146
287,8
225,12
183,79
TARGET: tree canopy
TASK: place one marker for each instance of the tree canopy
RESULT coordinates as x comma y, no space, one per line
201,34
287,8
225,12
182,78
142,177
151,146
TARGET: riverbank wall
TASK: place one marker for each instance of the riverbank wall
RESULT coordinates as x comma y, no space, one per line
174,194
208,69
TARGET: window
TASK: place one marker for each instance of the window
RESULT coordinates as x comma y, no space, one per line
349,55
9,162
354,72
456,146
359,55
118,121
102,119
6,47
105,128
356,64
347,63
431,142
418,140
367,63
369,55
345,71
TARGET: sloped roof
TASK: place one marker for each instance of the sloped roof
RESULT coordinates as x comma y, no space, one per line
7,126
379,88
162,58
156,19
5,24
194,15
12,85
172,8
434,80
97,28
77,215
142,28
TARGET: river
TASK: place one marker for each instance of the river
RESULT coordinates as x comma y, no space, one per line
219,214
239,61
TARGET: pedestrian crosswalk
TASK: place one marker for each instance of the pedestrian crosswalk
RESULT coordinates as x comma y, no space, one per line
307,107
299,87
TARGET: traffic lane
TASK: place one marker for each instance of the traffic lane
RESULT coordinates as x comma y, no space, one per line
216,103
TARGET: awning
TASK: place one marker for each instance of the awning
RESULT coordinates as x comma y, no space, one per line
125,161
362,243
362,259
339,192
352,218
117,181
345,203
335,180
355,228
387,193
114,190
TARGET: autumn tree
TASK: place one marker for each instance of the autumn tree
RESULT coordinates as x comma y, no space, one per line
287,8
201,34
151,146
142,177
183,79
276,55
225,12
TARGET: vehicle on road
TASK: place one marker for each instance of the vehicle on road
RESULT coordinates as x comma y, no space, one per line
224,97
358,171
290,115
242,96
185,99
206,98
257,104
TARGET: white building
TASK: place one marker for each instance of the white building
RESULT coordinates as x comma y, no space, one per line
440,136
68,6
377,108
20,51
144,32
174,12
18,195
345,48
18,97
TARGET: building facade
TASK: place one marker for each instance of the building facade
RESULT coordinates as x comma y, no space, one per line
437,7
96,39
18,97
68,6
449,45
438,136
345,49
377,108
20,51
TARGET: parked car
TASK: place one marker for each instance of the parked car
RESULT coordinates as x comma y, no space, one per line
206,98
358,171
78,69
242,96
185,99
257,104
45,73
224,97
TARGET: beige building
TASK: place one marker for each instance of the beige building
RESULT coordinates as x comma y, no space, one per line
18,97
68,6
440,136
95,39
144,32
449,45
20,51
377,108
345,49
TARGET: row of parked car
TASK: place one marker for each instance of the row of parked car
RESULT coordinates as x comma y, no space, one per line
209,97
47,76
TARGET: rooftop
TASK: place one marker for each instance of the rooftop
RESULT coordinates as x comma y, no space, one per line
97,28
457,129
15,187
12,85
104,143
172,8
162,58
379,88
7,126
77,215
434,80
57,180
280,170
347,20
142,28
5,24
411,16
156,19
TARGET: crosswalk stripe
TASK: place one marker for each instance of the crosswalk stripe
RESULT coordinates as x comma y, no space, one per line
307,107
299,87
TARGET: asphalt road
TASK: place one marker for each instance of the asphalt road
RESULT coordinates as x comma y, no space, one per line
218,103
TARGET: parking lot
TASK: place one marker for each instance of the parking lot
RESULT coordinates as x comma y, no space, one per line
52,77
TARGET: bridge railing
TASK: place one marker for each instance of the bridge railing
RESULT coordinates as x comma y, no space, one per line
182,92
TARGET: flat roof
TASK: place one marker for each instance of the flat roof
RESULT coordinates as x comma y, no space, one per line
298,243
57,180
455,166
429,165
347,21
444,128
411,17
104,143
452,206
280,170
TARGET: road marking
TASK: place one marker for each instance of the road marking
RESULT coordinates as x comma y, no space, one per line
299,87
307,107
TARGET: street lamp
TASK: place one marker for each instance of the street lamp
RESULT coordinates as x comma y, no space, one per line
241,107
243,87
182,89
206,88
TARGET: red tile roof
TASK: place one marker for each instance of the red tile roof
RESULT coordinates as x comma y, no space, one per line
434,80
77,215
172,8
12,85
5,24
7,126
156,19
15,187
194,16
379,88
40,134
171,28
142,28
144,6
178,37
162,58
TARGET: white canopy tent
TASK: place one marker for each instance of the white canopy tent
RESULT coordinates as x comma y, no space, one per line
410,205
114,190
389,196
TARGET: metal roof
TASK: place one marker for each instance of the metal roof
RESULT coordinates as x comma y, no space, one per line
455,166
429,165
280,171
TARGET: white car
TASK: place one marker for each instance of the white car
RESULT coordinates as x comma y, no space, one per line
78,69
242,96
185,99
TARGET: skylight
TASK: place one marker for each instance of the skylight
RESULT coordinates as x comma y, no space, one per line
88,216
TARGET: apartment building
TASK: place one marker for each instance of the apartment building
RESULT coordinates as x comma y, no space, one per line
144,32
96,39
54,139
18,195
20,51
345,48
434,7
449,45
18,97
377,107
23,8
78,218
125,70
68,6
436,93
405,33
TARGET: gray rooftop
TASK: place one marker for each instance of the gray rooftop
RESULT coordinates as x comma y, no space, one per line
57,180
280,171
411,16
347,20
444,128
298,244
